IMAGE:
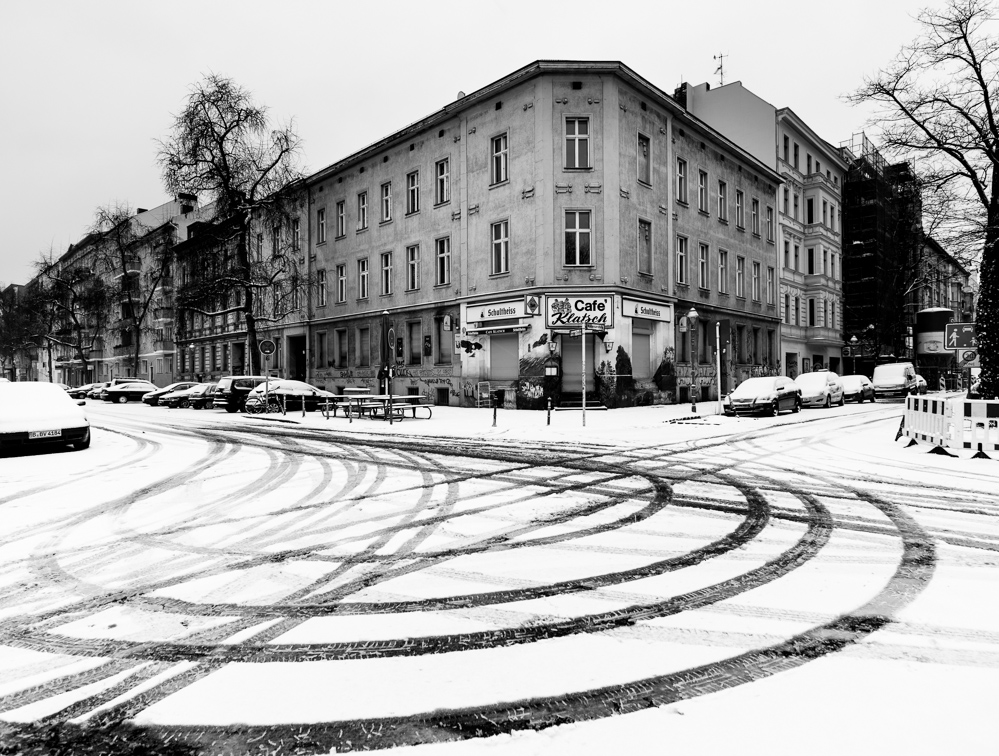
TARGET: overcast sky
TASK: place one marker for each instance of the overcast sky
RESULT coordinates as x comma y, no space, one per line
86,87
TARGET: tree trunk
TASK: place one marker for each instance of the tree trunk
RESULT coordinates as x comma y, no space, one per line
243,256
987,318
137,348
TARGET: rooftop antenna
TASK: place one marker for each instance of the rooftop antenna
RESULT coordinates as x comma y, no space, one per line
720,57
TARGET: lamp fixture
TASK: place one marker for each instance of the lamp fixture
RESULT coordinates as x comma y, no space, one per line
608,345
552,346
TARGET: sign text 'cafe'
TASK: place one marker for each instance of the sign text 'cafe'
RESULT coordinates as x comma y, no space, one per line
572,311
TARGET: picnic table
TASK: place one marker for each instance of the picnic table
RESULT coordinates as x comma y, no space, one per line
380,406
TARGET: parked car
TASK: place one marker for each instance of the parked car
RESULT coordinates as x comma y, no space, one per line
894,379
857,388
763,395
80,392
121,393
152,398
292,393
921,387
95,392
36,413
205,399
821,388
232,390
186,397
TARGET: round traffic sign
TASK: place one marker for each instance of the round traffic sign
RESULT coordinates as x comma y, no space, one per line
267,347
969,356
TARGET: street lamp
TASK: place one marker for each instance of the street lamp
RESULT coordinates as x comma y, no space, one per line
853,351
692,328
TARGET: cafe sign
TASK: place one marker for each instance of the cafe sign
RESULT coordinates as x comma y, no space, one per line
574,310
638,308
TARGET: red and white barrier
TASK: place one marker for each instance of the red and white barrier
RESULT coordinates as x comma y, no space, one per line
926,419
958,423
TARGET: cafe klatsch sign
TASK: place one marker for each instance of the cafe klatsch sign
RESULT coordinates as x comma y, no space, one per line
574,310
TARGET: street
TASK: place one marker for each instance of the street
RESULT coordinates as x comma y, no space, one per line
199,582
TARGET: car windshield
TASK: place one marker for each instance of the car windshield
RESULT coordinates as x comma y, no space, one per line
753,387
811,380
889,372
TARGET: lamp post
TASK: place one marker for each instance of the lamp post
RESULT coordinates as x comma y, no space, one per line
853,352
692,329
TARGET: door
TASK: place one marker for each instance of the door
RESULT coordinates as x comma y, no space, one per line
296,358
504,359
572,353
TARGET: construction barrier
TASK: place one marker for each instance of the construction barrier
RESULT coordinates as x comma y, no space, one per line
975,424
958,423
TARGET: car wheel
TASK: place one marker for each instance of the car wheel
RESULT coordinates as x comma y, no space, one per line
231,408
209,404
797,404
774,409
842,399
84,444
122,399
828,403
184,403
873,398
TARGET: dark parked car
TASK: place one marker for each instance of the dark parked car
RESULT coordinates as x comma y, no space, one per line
232,390
97,389
191,396
857,388
121,393
80,392
152,398
767,395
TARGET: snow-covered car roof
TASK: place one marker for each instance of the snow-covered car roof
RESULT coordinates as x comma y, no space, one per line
290,387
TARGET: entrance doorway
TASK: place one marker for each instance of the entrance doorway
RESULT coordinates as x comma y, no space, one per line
296,358
572,368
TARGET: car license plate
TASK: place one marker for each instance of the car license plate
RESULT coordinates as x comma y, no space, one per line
45,434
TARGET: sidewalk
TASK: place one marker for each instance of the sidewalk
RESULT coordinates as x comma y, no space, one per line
611,427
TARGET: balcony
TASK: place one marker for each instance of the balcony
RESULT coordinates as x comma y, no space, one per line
123,350
819,179
162,345
133,265
163,313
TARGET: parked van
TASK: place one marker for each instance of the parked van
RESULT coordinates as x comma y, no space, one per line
894,379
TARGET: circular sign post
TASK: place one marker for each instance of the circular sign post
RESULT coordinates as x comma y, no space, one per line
267,348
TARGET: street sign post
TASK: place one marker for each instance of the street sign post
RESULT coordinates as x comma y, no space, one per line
959,336
267,348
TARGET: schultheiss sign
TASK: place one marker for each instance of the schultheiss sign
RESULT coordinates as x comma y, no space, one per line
574,310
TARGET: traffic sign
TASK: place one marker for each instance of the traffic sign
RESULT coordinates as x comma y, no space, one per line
267,347
969,355
574,334
960,336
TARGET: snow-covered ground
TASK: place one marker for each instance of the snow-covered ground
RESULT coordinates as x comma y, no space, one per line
652,581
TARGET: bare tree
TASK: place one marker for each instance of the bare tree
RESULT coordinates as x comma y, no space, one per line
222,148
134,259
938,102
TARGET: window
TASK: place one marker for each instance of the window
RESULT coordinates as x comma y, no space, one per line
787,197
811,312
341,219
796,206
832,270
577,237
795,162
809,210
797,311
275,241
681,180
412,192
825,262
363,347
341,283
500,159
442,182
787,308
702,266
722,201
414,334
770,224
787,254
362,211
386,202
771,286
443,260
787,146
413,267
500,234
321,287
386,272
756,216
340,347
740,210
362,278
445,343
577,143
797,258
702,191
723,271
645,247
811,261
296,234
644,159
681,259
740,276
756,282
321,226
321,349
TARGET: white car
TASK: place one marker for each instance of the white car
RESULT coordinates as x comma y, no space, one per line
292,393
34,413
821,388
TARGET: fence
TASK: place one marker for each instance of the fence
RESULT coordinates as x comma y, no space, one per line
956,423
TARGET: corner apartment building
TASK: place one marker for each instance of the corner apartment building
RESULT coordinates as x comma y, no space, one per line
809,205
434,249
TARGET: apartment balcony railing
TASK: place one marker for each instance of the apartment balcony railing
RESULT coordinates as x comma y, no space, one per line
123,350
820,179
162,313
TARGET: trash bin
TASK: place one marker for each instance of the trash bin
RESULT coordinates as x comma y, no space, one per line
497,397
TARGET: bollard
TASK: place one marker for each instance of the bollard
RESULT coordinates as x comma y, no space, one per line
303,405
549,411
